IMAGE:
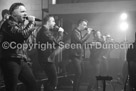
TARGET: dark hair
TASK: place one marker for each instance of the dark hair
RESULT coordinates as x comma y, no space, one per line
14,6
45,19
80,21
5,11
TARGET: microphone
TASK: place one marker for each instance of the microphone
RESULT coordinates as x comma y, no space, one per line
57,28
90,29
36,19
86,28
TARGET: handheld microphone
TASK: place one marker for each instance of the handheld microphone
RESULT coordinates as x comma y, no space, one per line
57,27
90,29
36,19
86,28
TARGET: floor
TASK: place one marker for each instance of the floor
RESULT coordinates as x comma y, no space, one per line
83,87
65,84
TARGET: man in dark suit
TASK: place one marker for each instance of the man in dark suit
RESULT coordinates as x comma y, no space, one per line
49,36
78,38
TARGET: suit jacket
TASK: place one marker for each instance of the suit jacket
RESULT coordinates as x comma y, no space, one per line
78,40
48,44
15,33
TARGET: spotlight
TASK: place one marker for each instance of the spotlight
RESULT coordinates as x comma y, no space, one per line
123,16
124,26
53,1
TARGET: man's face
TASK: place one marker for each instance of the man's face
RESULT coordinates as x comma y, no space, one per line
51,22
20,13
83,25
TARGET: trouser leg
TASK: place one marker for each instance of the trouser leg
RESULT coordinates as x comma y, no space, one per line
27,77
11,71
78,71
50,70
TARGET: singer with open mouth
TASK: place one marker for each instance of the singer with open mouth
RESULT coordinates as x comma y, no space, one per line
14,64
49,33
77,54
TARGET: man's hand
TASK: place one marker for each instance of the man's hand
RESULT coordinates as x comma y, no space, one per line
89,30
31,18
61,29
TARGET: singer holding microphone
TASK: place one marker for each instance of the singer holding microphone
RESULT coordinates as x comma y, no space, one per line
77,37
50,35
13,63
